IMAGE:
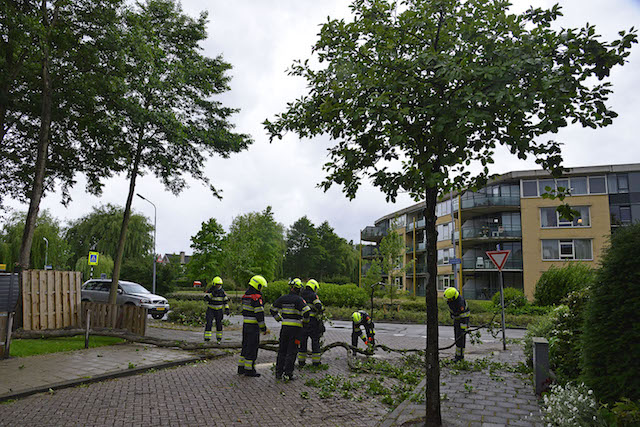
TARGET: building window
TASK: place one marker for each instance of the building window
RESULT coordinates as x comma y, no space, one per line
543,184
566,249
597,185
625,214
529,189
578,186
444,231
445,281
444,255
551,218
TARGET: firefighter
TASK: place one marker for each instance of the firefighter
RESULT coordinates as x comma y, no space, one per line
252,325
314,329
459,312
217,301
292,310
362,318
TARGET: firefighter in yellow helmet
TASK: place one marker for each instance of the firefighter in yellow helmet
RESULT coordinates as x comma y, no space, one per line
314,329
252,325
459,312
217,301
362,318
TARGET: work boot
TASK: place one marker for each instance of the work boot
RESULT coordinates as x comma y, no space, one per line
278,376
316,364
207,339
301,363
288,377
240,370
219,341
251,373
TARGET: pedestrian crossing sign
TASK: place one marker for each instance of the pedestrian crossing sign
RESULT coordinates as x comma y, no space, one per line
93,258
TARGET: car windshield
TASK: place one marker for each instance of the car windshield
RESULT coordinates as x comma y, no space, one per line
133,288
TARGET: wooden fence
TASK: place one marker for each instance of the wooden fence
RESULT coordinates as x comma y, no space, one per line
129,317
50,299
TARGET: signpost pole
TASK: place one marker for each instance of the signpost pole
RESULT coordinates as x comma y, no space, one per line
499,259
504,338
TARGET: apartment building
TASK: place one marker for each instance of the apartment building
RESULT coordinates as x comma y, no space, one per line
510,213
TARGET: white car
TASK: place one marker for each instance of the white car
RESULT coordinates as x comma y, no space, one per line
97,290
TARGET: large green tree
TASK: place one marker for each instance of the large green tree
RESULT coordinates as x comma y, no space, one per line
48,245
208,255
56,82
415,91
254,245
303,249
99,231
170,120
338,257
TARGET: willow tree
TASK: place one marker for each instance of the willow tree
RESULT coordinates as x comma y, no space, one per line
170,118
415,91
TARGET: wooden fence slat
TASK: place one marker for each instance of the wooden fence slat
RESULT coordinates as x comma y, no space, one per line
42,290
58,299
26,301
73,308
51,307
66,315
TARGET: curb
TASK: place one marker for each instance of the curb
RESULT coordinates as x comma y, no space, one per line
104,377
390,419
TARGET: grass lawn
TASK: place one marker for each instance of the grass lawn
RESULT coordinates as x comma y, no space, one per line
30,347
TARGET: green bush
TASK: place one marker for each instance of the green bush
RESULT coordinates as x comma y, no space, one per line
343,296
543,328
513,299
612,323
192,313
275,289
556,283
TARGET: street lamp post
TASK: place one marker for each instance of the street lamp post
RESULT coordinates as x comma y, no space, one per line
46,251
154,241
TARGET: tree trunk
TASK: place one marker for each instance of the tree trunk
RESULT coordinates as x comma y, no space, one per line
113,292
433,416
44,137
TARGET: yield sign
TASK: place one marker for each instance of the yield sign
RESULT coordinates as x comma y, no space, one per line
499,258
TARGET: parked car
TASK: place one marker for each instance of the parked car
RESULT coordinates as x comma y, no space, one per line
97,290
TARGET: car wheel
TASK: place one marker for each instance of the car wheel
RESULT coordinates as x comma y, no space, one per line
157,316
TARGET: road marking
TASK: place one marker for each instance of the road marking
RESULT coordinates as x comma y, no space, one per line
399,335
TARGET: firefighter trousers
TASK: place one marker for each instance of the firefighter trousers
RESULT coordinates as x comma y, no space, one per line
288,349
250,343
211,316
460,327
314,331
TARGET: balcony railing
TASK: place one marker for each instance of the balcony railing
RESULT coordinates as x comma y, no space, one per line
483,200
420,269
373,233
491,231
419,224
421,246
369,250
484,263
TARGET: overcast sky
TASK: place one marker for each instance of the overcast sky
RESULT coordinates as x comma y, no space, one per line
261,38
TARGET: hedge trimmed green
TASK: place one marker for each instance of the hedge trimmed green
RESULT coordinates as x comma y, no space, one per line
556,283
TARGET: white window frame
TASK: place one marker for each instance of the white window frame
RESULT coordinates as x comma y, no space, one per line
560,223
561,257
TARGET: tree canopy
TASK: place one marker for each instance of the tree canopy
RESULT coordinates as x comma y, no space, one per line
208,254
415,91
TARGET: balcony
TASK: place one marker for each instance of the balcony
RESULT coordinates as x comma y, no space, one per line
483,200
419,225
484,263
420,269
369,251
373,234
492,232
420,246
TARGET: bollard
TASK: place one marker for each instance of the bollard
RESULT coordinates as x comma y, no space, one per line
541,372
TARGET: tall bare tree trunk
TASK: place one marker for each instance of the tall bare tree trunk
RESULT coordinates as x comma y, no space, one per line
433,416
44,138
113,292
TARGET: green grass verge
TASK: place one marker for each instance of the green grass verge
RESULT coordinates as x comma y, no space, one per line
31,347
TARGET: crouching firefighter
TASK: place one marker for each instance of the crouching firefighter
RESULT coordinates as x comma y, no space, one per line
314,329
292,311
252,325
217,301
459,312
362,318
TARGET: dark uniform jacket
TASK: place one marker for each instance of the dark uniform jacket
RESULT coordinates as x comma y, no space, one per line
314,302
217,299
253,308
291,309
367,322
458,308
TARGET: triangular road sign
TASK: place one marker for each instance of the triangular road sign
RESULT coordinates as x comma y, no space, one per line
499,258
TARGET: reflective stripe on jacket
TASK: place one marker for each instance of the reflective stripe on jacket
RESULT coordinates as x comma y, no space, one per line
217,299
291,309
253,308
315,304
459,308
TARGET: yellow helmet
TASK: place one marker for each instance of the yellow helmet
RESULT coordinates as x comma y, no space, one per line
451,293
217,280
357,317
295,283
258,282
313,284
